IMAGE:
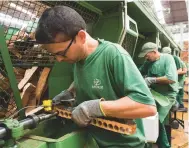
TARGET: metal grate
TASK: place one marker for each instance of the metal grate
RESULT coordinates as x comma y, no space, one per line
132,26
88,15
20,18
7,103
129,43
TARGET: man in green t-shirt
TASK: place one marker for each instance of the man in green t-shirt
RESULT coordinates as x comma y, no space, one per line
181,71
106,81
160,74
181,79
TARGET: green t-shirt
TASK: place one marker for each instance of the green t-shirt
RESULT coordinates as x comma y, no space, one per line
164,66
181,78
177,62
109,72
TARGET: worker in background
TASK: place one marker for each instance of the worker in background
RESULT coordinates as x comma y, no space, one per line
180,95
160,74
106,80
181,71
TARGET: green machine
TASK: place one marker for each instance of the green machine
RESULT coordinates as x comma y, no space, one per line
130,24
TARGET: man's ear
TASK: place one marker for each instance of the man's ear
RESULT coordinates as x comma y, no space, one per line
155,51
81,35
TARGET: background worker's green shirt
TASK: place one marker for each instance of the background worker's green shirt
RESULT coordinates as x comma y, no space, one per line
181,78
177,62
110,73
164,66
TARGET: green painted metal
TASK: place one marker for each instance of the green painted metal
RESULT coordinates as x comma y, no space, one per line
9,68
17,130
73,140
154,21
31,143
2,142
53,128
89,6
44,136
60,78
78,139
104,5
9,143
143,22
110,27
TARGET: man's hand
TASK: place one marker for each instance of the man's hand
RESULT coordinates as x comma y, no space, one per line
63,96
86,111
150,80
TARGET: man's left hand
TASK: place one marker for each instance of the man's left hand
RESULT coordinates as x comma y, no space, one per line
86,111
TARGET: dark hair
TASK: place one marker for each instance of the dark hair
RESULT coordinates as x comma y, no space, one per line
59,19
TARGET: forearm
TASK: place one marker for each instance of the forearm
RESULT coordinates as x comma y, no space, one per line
163,80
127,108
179,71
182,72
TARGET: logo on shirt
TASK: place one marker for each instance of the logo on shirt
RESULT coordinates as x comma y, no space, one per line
97,84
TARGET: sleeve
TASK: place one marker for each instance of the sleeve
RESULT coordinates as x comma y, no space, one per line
183,65
129,81
170,69
177,62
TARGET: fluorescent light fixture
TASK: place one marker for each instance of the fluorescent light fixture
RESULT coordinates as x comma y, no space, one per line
159,11
130,0
13,5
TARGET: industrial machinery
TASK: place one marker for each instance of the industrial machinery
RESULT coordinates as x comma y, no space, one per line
29,74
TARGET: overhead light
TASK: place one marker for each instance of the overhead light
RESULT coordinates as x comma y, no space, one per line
159,11
130,0
13,5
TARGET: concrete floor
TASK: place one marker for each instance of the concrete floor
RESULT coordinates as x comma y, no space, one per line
180,135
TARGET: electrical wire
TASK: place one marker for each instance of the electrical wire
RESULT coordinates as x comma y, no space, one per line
22,109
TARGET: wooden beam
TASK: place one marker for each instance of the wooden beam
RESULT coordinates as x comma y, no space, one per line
41,84
34,110
31,103
25,96
28,74
184,145
19,73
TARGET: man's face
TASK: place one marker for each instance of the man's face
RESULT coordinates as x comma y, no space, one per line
70,51
151,56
